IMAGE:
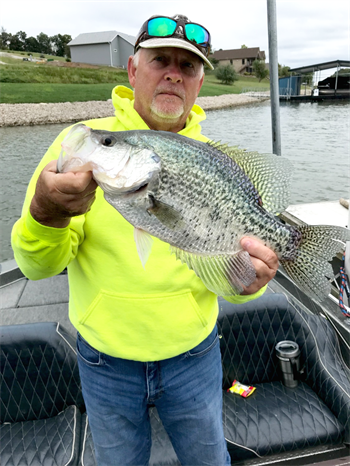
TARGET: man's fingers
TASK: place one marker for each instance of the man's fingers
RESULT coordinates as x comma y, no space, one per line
75,183
59,196
71,182
260,251
264,261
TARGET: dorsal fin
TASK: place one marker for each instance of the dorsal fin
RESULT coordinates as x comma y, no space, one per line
269,174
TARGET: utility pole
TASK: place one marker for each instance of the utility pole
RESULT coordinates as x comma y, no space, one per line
347,252
274,87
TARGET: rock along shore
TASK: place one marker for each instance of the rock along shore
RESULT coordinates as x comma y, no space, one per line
67,112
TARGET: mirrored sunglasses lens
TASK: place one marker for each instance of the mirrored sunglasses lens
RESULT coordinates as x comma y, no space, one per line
161,27
197,33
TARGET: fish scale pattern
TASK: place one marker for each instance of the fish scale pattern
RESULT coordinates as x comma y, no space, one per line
275,419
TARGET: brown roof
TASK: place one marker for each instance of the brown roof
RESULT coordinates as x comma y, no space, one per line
237,54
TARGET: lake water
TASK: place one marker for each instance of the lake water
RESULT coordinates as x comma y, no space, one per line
315,137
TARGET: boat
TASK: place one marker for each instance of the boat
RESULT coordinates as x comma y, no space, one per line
34,315
295,408
334,85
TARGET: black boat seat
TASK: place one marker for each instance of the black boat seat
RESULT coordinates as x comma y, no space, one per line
276,419
55,440
41,399
43,419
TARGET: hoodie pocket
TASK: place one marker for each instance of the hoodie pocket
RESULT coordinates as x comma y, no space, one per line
144,327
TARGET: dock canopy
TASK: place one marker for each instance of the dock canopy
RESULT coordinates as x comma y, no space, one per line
321,66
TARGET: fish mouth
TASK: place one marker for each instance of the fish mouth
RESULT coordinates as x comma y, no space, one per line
138,189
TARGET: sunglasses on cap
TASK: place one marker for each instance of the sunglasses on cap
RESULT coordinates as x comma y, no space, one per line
162,26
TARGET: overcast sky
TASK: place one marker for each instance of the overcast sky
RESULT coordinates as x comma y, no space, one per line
309,31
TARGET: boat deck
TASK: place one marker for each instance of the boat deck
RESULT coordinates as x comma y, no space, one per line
25,301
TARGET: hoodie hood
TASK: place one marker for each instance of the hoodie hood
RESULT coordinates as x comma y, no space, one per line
123,102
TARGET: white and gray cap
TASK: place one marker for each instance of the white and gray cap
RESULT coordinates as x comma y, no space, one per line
177,40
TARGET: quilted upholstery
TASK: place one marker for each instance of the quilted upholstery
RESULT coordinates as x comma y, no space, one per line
44,442
40,396
39,372
275,419
41,400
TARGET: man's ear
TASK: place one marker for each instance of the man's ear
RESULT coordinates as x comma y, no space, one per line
131,71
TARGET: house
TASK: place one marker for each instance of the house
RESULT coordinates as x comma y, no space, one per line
110,48
241,59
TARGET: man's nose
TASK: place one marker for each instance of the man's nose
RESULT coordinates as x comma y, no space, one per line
173,74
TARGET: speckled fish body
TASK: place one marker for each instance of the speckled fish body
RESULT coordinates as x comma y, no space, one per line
202,199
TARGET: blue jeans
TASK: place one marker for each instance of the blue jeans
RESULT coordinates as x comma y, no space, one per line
186,390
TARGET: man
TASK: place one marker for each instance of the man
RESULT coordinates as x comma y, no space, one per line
144,336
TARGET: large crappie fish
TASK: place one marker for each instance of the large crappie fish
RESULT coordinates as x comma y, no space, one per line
202,198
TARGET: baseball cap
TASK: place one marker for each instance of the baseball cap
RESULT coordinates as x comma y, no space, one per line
177,31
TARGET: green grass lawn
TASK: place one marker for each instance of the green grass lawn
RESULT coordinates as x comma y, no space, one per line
28,82
212,86
14,93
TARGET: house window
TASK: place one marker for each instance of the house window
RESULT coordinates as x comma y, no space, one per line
243,61
231,62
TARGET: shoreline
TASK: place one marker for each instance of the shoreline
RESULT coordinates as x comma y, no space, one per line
71,112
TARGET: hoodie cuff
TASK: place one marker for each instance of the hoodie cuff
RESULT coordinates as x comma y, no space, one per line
241,299
45,233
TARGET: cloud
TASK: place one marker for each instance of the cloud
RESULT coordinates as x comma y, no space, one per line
309,31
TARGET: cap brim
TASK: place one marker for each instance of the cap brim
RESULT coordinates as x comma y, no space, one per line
173,42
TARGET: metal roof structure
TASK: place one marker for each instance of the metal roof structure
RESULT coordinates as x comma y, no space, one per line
321,66
237,54
100,38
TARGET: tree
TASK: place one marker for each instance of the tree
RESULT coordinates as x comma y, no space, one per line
226,74
60,44
32,45
283,71
44,43
308,78
214,61
17,41
4,39
244,46
260,70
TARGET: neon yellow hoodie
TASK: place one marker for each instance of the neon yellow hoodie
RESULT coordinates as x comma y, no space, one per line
117,306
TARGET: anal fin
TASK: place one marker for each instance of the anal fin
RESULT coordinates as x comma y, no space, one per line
224,275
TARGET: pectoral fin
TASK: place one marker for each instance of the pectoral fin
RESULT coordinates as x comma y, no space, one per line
144,243
224,275
166,214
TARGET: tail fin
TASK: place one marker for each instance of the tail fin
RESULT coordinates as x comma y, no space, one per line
311,269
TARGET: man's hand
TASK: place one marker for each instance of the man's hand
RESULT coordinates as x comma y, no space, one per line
265,263
59,196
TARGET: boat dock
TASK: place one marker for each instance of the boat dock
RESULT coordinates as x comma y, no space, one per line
335,87
314,98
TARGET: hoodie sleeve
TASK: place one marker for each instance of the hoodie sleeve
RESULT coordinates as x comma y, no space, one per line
42,251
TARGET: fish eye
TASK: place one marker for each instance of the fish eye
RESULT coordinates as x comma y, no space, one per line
108,141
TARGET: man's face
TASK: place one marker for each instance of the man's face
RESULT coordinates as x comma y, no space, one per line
166,83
